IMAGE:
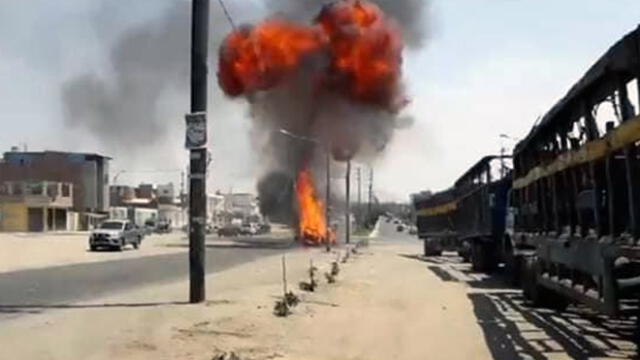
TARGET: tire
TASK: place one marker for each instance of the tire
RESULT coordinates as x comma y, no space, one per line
121,245
136,244
536,294
483,257
529,283
430,250
93,248
514,268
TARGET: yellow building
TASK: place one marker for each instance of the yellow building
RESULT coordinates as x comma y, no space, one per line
35,206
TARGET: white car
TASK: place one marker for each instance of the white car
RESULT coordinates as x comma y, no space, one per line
115,234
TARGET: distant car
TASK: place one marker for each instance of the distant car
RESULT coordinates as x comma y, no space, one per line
264,228
115,234
163,227
400,228
229,230
150,227
249,229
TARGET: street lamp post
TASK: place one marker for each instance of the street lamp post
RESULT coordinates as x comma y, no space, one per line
327,214
503,150
347,225
115,177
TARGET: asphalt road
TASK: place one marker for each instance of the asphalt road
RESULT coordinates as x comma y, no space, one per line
62,285
388,231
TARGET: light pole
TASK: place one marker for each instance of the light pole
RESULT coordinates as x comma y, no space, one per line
327,151
503,168
347,225
115,177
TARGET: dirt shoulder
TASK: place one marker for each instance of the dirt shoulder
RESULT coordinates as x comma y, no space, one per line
382,306
21,251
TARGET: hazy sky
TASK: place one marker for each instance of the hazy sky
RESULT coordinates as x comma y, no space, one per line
488,67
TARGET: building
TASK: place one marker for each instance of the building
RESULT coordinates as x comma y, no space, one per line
119,194
88,174
147,202
36,206
215,210
242,206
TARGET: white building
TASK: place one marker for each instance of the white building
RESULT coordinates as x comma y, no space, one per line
242,206
216,209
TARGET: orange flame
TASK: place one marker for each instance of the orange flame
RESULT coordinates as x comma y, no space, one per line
313,223
364,50
257,58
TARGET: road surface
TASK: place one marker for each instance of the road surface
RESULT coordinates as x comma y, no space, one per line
60,286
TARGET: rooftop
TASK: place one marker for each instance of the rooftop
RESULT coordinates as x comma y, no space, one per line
51,152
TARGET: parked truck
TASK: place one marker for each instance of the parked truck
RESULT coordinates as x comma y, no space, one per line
576,191
435,215
470,217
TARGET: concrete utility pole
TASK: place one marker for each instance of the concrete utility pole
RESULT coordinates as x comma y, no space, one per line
347,224
370,192
198,151
359,211
327,201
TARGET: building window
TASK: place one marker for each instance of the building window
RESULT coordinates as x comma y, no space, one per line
65,190
35,188
52,189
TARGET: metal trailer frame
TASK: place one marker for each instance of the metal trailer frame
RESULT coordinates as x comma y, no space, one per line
482,211
434,220
576,191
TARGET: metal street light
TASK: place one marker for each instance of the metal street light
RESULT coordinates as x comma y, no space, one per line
115,177
505,136
503,150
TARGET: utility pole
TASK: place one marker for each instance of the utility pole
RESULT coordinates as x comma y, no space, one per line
347,224
327,214
370,192
359,211
196,142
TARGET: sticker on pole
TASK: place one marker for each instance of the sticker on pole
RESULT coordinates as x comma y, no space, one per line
196,136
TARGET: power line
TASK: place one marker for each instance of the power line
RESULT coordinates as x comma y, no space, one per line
226,14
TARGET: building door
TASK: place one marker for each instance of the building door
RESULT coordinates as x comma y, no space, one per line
60,222
36,219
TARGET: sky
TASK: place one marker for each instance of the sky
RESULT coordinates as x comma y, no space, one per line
488,67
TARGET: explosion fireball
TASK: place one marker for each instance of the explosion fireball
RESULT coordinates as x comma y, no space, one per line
350,58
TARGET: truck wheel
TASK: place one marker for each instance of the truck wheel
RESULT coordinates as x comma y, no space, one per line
483,257
529,283
478,257
514,268
538,295
430,250
136,244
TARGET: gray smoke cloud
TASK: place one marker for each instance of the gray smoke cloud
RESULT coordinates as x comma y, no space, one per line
411,15
136,103
335,122
125,108
147,61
